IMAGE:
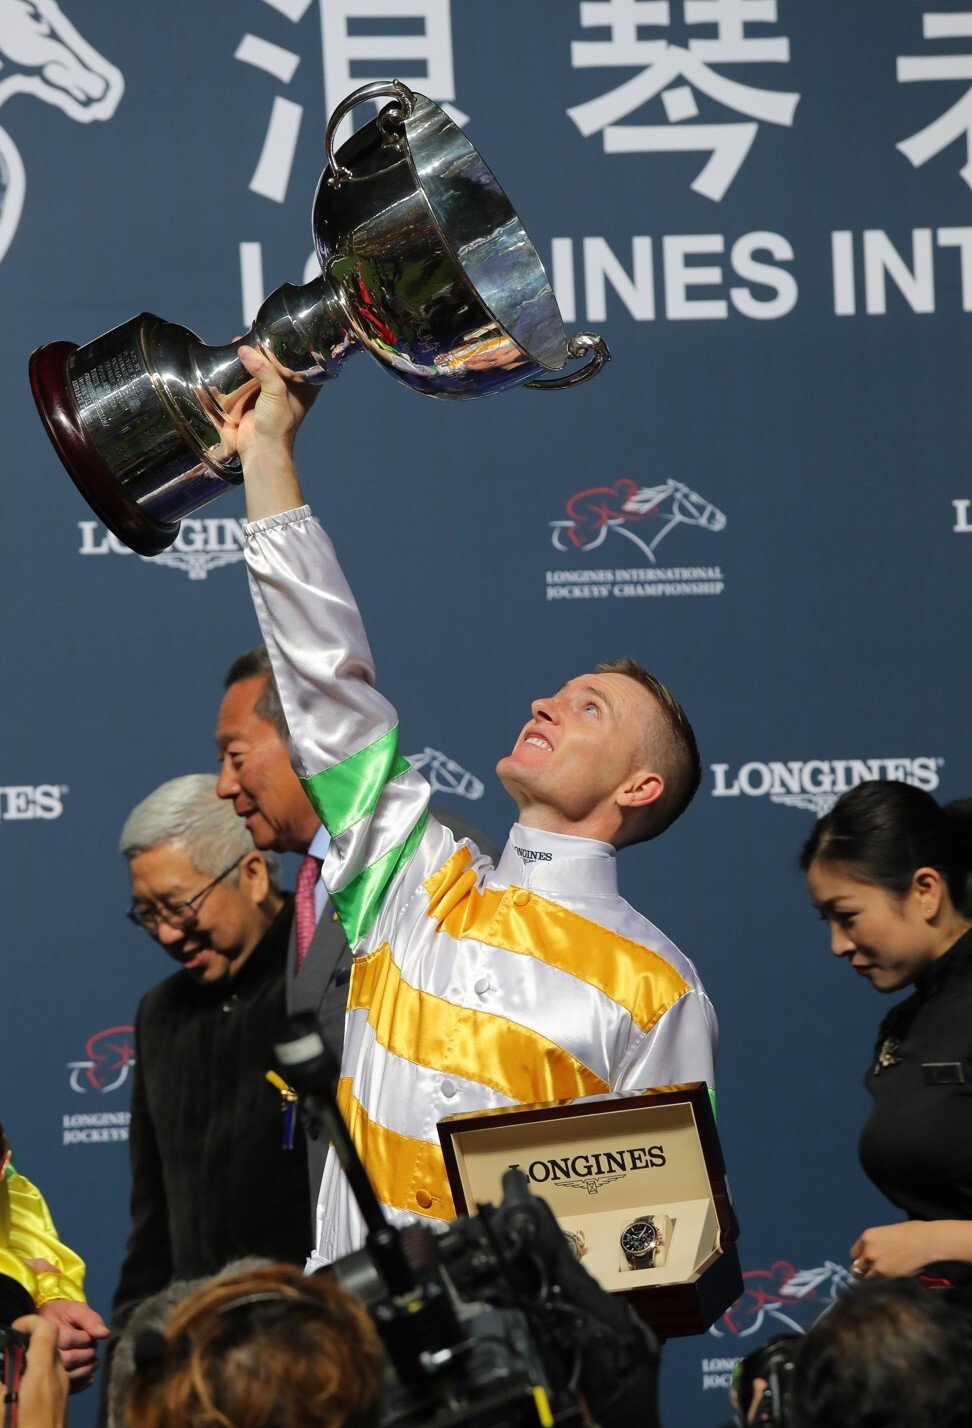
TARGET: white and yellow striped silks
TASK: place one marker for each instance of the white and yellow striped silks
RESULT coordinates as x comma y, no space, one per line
473,987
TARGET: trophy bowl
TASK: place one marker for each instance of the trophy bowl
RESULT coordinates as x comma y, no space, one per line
424,264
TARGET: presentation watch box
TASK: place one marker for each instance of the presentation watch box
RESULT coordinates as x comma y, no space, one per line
637,1183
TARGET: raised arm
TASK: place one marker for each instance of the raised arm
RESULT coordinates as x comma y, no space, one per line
264,436
344,733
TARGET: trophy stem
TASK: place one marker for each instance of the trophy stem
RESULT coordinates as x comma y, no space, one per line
300,329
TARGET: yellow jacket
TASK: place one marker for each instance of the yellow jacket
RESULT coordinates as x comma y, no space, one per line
27,1232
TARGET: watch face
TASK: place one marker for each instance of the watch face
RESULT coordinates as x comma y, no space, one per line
639,1238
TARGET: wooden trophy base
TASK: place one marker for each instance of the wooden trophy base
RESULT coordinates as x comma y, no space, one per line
51,387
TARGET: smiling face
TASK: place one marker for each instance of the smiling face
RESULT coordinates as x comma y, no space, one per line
227,923
582,764
889,940
255,773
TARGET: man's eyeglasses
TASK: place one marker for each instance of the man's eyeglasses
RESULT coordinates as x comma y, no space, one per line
182,914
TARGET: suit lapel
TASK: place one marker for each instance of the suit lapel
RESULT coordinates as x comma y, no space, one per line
306,988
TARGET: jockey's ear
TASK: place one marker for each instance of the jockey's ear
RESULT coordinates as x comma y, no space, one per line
642,787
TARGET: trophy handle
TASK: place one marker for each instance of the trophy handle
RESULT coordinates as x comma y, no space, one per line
577,346
395,90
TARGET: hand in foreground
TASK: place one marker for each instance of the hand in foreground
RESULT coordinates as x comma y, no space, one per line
44,1386
269,418
754,1414
78,1328
899,1250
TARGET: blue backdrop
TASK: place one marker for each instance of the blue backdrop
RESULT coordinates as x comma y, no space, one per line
765,207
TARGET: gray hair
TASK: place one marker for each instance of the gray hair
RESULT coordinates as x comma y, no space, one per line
152,1313
155,1313
188,811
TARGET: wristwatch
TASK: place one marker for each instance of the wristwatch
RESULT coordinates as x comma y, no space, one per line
640,1241
577,1243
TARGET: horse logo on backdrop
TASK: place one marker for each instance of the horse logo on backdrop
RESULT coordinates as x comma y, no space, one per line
655,511
643,516
108,1058
445,775
41,53
791,1299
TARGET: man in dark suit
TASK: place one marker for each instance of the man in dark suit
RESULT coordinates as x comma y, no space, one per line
255,774
212,1176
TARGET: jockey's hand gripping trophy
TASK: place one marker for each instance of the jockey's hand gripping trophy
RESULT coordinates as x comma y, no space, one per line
424,264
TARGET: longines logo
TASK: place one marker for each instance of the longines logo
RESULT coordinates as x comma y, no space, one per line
590,1171
41,53
626,515
815,784
202,545
98,1128
19,801
533,855
106,1065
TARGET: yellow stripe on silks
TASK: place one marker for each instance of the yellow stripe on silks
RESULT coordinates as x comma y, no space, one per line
399,1167
429,1031
449,884
634,976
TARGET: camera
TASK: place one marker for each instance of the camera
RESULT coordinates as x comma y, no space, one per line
14,1301
504,1325
773,1362
490,1321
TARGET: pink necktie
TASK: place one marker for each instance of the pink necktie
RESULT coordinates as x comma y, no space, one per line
305,916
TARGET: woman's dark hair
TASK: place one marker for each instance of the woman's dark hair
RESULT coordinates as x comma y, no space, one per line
890,1354
885,831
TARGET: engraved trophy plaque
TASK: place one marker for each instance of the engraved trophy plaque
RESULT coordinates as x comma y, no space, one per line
424,264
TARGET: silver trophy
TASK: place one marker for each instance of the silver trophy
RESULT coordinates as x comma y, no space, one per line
424,264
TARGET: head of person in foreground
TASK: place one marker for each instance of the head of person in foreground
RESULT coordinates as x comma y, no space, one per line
268,1348
890,1354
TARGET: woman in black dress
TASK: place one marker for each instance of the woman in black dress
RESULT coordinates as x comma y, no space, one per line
889,870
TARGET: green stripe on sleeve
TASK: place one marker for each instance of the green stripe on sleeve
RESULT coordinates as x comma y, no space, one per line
347,792
357,904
